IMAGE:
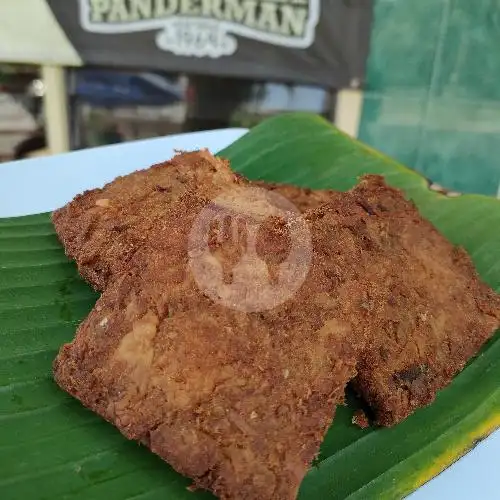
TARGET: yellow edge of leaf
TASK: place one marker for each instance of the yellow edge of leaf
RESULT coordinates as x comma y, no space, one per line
454,453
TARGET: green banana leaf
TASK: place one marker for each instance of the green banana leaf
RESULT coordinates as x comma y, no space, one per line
53,448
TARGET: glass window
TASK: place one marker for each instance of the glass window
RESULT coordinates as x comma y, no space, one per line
110,106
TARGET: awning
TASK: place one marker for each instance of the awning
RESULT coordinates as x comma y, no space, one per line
323,42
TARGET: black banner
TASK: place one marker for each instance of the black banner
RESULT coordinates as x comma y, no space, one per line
322,42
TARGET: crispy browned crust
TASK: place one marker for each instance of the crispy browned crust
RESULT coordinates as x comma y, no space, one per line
103,228
360,419
414,295
240,401
237,401
437,313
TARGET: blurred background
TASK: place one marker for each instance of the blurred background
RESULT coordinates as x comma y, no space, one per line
109,106
417,80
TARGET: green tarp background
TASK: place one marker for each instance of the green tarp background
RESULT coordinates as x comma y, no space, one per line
432,96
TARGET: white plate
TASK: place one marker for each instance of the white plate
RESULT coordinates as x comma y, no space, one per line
42,184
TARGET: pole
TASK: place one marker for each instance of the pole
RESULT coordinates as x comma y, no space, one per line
348,110
56,109
332,104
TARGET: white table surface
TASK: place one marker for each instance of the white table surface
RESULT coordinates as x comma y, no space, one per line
43,184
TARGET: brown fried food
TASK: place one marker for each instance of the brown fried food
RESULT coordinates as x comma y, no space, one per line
303,198
238,401
382,280
436,315
102,229
398,282
360,419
